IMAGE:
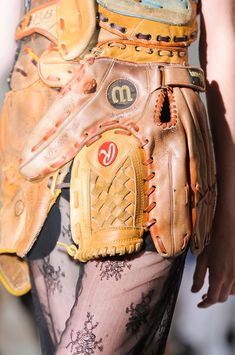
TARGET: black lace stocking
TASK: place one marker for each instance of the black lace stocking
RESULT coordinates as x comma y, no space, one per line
55,277
119,305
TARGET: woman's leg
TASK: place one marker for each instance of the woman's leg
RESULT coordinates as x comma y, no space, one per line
124,306
54,280
118,305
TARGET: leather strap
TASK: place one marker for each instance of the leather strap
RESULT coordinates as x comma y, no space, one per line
184,77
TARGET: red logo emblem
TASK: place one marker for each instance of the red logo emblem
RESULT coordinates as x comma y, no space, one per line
107,153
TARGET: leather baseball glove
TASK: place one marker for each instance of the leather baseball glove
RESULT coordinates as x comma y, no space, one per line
143,157
53,39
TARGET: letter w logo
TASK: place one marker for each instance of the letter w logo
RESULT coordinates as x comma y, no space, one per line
121,94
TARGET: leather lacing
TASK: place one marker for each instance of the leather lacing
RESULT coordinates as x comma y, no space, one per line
117,44
23,24
166,93
153,204
146,162
148,37
150,176
150,223
161,52
151,189
150,207
173,108
21,71
34,61
144,49
118,28
144,143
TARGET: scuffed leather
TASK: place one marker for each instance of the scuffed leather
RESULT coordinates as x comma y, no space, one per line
19,224
132,27
54,71
108,201
24,205
179,184
140,53
61,132
184,182
171,11
64,23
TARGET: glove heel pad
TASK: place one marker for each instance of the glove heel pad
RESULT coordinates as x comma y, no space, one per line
107,196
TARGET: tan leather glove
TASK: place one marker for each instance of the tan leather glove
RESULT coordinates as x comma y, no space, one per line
142,136
47,61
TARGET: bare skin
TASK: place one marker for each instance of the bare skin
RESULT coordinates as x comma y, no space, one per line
217,55
10,14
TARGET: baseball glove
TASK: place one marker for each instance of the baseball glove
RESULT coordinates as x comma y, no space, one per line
144,160
53,39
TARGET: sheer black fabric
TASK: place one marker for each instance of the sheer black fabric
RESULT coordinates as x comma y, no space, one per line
115,305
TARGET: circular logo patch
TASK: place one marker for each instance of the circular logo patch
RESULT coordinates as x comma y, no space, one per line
122,94
107,153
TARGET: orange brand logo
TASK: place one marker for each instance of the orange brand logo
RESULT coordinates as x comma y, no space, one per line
107,153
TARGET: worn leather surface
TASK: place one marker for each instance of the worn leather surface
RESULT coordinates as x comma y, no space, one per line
54,71
107,94
62,22
147,31
107,196
22,108
54,142
167,186
134,51
170,11
24,206
20,199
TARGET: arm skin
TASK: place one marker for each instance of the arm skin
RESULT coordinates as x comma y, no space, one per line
217,56
10,14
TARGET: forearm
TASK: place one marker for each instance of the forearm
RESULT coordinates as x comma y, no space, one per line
217,54
10,13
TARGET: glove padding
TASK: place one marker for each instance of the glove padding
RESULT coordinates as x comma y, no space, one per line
171,125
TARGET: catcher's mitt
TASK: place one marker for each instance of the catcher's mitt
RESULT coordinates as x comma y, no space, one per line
144,156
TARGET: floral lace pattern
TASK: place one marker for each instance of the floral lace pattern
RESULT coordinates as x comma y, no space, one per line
133,296
112,268
51,276
84,341
66,228
139,313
